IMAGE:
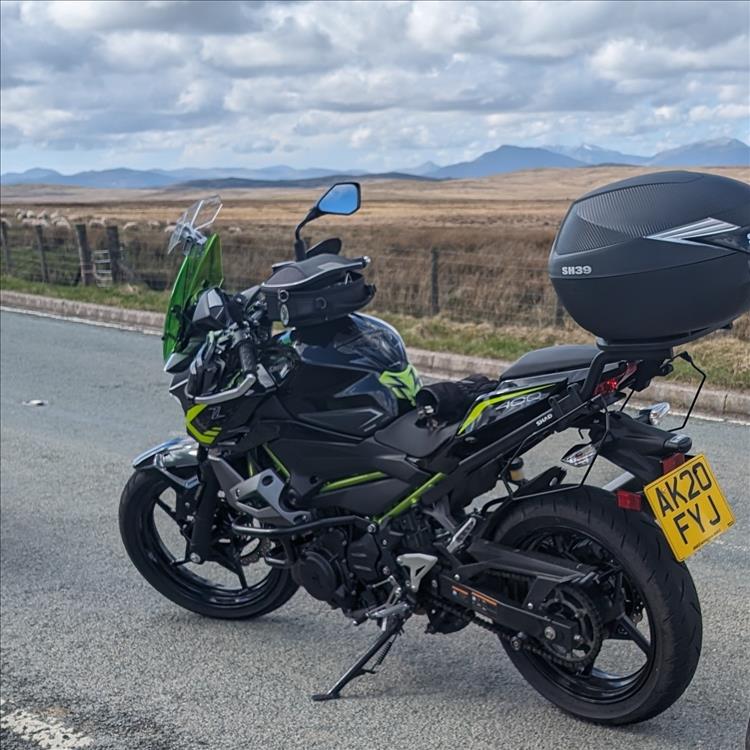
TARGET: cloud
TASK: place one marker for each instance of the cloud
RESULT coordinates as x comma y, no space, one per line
362,83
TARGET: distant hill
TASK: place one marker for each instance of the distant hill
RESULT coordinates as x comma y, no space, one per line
505,159
720,152
236,183
589,154
157,178
420,170
30,176
107,178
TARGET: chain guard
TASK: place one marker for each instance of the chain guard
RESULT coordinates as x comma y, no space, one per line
592,641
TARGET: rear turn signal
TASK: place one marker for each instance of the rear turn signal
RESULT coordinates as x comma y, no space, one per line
656,413
579,455
628,500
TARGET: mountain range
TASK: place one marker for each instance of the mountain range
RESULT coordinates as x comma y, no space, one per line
719,152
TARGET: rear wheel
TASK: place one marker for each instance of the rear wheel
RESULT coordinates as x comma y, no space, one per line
644,609
235,584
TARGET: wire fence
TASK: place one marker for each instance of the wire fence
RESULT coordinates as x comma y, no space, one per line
494,287
449,272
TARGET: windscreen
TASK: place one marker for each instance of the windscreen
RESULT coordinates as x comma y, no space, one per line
199,216
201,268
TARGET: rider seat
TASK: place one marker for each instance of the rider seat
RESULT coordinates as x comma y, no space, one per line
551,359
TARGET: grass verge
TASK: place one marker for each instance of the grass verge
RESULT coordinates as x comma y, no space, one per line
725,359
125,295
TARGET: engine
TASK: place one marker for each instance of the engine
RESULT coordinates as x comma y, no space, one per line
337,568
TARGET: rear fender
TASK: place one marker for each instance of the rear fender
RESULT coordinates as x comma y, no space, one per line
176,460
637,447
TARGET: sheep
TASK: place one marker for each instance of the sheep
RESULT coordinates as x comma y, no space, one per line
130,226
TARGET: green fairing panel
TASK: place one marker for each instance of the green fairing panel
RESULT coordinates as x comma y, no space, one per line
201,269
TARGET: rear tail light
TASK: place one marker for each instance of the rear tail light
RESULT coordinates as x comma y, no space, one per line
670,463
611,384
606,386
628,500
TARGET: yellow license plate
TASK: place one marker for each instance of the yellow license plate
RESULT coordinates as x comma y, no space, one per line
689,506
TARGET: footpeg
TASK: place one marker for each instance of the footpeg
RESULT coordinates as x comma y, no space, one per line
382,613
460,537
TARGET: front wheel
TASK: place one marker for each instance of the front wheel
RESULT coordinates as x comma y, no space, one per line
648,614
235,584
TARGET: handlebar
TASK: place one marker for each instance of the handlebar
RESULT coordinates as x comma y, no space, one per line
248,359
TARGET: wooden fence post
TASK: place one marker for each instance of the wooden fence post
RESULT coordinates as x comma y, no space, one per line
113,245
435,278
84,256
42,250
559,313
7,261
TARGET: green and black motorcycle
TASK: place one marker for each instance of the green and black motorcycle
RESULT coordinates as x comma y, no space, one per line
316,457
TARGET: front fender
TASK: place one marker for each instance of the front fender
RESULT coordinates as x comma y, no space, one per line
166,458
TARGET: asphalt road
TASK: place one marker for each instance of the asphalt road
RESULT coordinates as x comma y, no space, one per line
88,645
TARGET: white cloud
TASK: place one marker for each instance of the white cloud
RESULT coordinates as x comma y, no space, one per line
441,25
720,112
381,84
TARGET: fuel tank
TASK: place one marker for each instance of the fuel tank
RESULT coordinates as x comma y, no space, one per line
353,375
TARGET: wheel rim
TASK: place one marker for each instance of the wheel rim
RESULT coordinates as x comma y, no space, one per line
630,631
165,544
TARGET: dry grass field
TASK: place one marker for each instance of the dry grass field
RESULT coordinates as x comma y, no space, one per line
474,252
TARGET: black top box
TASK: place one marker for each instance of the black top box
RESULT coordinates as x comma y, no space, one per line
660,257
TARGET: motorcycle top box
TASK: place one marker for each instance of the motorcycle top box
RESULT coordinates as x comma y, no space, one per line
659,257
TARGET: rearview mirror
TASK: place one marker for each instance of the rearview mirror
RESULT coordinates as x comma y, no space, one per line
343,199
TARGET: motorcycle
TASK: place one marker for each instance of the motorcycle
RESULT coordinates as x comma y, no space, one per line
317,458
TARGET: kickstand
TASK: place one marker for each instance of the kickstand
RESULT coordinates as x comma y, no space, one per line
384,642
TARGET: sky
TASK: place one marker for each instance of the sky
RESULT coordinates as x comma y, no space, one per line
371,85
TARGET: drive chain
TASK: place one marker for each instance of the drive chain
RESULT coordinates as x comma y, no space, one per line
504,635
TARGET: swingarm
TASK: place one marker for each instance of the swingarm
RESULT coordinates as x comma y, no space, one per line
470,586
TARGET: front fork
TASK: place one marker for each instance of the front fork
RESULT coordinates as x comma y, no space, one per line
207,502
172,459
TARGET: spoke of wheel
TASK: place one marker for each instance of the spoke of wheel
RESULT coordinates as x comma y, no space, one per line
185,560
240,572
635,635
166,509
